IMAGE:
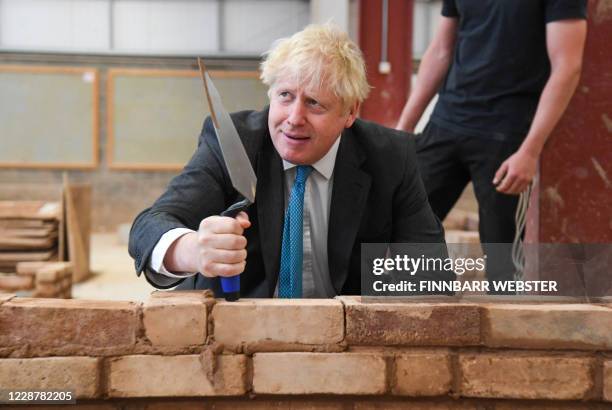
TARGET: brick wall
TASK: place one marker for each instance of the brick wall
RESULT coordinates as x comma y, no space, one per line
186,350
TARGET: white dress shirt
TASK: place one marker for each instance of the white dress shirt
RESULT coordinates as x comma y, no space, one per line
316,282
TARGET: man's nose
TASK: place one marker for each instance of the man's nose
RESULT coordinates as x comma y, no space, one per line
297,114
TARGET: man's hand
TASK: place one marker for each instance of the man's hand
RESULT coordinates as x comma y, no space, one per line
221,247
218,248
565,44
515,173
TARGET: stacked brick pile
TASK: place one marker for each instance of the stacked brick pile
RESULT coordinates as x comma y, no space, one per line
28,232
50,279
13,282
41,279
184,350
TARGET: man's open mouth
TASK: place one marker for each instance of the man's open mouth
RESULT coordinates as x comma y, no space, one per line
296,137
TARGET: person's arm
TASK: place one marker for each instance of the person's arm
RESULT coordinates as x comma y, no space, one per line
192,201
433,68
217,249
565,44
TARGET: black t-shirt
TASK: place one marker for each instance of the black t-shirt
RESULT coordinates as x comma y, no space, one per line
500,64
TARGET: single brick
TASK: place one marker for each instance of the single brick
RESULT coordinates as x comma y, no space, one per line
177,376
449,404
174,404
461,237
567,326
31,268
526,377
175,321
273,321
48,289
69,327
423,374
77,374
297,404
5,297
13,282
414,324
319,373
513,405
49,275
607,380
204,294
66,282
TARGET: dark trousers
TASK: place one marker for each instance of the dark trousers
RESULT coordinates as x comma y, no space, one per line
447,162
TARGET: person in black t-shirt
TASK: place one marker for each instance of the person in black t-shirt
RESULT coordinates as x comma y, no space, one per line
505,71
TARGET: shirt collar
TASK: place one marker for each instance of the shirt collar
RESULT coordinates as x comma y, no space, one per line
324,166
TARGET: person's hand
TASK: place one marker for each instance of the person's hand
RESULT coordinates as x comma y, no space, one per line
515,173
221,246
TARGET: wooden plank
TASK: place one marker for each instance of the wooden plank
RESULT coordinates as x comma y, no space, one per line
78,205
29,210
14,257
62,251
27,223
8,267
44,232
9,243
13,282
81,199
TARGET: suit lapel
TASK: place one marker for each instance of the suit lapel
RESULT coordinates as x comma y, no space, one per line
270,209
349,194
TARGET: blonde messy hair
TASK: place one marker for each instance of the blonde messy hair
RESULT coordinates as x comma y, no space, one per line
320,56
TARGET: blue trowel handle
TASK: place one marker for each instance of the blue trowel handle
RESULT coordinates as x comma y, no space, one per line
231,285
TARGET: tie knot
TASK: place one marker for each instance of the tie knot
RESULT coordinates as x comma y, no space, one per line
302,173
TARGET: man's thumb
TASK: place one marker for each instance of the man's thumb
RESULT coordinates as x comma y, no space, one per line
243,219
500,173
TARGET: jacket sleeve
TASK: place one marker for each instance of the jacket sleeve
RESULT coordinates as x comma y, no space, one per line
202,189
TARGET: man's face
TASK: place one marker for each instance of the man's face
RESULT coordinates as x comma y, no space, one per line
304,124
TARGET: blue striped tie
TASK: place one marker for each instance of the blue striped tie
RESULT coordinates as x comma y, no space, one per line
290,277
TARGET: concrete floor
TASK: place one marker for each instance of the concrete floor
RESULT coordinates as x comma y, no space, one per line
113,272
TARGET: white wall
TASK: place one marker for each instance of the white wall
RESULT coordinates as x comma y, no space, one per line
54,25
243,27
165,27
173,27
336,11
426,18
251,26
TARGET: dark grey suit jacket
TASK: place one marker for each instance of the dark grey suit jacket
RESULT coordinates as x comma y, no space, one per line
377,197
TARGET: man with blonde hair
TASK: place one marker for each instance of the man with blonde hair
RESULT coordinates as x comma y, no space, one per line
336,180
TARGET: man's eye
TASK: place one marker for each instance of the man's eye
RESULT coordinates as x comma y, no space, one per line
314,103
283,94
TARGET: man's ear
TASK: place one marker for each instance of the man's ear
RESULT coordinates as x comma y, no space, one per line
352,114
